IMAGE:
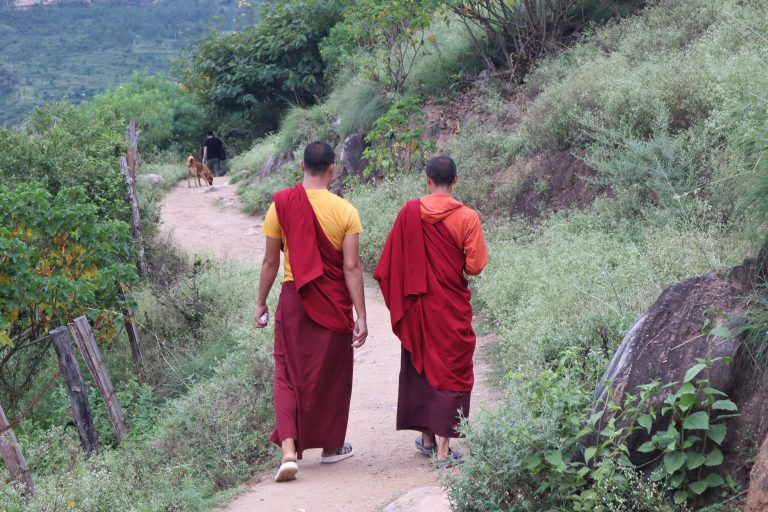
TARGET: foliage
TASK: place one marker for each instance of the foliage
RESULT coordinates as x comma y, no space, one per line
396,144
59,261
486,158
355,105
65,145
166,115
512,35
248,76
44,59
394,34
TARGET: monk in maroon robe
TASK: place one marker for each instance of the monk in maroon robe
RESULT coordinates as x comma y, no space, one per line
435,241
315,333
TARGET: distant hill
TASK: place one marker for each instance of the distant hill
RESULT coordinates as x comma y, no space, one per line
76,48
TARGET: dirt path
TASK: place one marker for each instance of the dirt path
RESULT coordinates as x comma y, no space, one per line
385,465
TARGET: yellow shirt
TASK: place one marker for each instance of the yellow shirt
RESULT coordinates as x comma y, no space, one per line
336,216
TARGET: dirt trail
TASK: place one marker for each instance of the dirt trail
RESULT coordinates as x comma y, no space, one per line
385,465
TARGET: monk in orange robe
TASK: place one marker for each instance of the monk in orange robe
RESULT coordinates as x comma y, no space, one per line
315,333
435,241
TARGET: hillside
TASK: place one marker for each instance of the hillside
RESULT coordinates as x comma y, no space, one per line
76,49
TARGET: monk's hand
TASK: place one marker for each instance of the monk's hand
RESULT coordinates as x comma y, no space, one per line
360,333
261,317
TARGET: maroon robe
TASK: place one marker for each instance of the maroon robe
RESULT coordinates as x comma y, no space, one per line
421,275
313,333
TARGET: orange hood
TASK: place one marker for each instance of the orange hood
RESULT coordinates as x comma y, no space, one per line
436,207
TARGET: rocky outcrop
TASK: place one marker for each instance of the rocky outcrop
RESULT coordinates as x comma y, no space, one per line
667,340
351,161
273,164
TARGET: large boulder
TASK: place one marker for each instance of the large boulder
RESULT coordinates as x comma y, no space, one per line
351,161
423,499
667,340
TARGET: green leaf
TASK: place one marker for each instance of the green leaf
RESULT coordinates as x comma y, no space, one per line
680,497
721,332
555,458
687,401
714,458
531,462
647,447
694,460
725,405
645,421
717,432
714,480
687,389
698,487
674,461
697,421
713,391
677,479
589,453
693,371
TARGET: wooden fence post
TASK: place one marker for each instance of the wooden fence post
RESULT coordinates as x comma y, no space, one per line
78,393
81,331
133,337
129,164
12,456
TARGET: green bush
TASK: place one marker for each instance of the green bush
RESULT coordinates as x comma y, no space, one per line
300,126
254,158
485,158
354,105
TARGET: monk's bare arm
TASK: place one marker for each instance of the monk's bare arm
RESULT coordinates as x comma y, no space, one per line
269,267
353,276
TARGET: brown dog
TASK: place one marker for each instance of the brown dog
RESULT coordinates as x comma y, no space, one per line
198,170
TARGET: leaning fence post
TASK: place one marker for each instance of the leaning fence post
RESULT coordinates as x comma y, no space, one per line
81,331
78,393
12,456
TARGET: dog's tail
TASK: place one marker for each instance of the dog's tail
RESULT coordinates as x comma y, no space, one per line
190,160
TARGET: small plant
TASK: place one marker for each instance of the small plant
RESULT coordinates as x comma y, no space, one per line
541,186
690,445
396,143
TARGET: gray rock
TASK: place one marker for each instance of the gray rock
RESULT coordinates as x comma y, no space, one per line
242,175
351,161
152,179
667,340
272,164
423,499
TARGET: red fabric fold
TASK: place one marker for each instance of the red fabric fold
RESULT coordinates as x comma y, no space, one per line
421,277
318,267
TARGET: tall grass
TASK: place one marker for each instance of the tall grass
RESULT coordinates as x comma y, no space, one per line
354,105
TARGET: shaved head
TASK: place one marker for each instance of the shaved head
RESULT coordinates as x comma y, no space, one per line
318,157
441,170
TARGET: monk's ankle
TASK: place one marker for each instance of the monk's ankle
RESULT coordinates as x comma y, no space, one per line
289,457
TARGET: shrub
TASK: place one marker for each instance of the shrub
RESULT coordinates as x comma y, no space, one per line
354,106
300,126
485,159
254,158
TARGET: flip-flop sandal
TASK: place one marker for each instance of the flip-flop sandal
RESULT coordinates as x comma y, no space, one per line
287,471
454,459
342,453
427,452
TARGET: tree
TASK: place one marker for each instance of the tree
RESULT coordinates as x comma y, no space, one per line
394,33
258,72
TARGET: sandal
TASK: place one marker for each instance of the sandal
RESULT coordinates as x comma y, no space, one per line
287,471
428,452
454,459
342,453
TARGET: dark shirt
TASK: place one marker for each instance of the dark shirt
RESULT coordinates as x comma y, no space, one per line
215,147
